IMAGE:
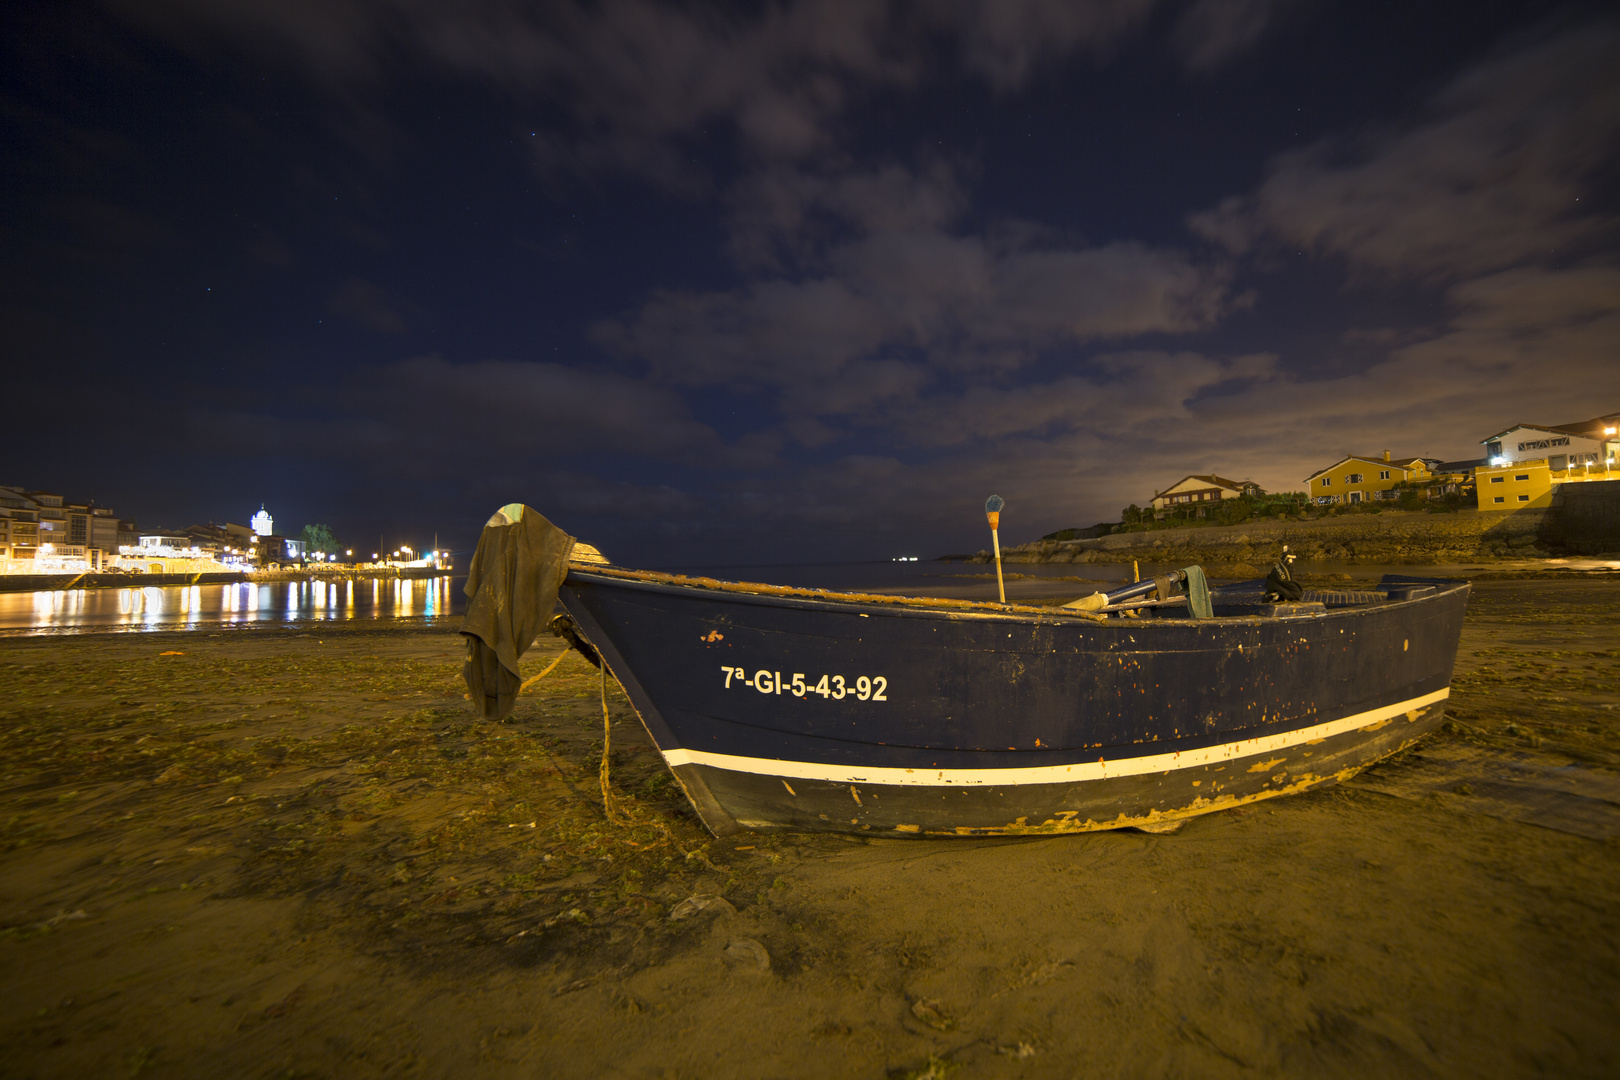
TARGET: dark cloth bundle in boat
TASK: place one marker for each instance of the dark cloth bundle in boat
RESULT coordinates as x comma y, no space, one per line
511,588
1280,584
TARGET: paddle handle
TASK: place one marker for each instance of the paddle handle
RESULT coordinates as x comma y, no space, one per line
995,541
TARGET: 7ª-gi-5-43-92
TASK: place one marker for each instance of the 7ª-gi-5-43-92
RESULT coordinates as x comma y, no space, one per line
874,688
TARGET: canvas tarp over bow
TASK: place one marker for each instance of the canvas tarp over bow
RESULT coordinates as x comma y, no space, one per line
511,588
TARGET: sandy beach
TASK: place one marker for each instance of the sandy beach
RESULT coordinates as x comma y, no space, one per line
294,852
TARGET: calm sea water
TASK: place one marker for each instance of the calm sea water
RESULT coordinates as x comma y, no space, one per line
180,607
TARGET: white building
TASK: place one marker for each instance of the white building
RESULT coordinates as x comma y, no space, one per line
1198,488
263,524
1590,442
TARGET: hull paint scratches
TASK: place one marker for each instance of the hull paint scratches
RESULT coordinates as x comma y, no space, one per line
1047,774
1148,803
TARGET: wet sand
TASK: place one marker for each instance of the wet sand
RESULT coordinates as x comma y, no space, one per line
296,853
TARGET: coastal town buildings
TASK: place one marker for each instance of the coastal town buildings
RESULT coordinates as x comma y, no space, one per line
1362,478
1202,488
229,542
1526,464
1585,443
35,523
1513,487
275,548
1534,482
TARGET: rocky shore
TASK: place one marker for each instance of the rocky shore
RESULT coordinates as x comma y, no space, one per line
1391,537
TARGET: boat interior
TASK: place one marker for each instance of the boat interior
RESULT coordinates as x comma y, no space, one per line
1258,598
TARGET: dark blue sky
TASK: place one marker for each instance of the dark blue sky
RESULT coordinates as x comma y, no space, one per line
792,281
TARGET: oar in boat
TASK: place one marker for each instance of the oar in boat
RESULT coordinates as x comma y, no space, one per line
992,510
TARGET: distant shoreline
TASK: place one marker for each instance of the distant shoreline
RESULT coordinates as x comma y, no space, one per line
62,582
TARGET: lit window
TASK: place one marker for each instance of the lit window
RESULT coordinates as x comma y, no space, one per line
1499,498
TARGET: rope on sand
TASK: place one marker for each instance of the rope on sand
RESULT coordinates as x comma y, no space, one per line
610,801
549,669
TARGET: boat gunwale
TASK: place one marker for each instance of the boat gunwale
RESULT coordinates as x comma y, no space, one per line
941,607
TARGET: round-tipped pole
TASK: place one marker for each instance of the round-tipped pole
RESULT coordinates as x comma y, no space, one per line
992,510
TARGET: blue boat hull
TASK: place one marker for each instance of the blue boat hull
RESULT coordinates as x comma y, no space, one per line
795,712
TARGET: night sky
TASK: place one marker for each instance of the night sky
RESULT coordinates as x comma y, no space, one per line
792,281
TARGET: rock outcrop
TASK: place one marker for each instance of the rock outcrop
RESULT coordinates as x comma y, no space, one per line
1414,538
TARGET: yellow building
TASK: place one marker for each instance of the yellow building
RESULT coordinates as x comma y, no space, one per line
1520,484
1358,479
1513,486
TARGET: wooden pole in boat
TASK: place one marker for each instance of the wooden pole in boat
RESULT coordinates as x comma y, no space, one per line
992,510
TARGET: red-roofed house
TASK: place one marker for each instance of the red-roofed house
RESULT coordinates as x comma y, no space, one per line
1197,489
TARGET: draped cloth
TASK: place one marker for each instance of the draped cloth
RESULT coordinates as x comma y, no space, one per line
511,588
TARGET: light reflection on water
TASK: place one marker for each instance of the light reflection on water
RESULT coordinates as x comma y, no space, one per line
178,607
182,607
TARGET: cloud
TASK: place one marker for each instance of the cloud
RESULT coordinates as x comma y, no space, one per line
629,76
1489,175
442,416
270,249
895,306
789,215
98,231
1522,345
1123,397
366,305
1211,33
548,409
1006,42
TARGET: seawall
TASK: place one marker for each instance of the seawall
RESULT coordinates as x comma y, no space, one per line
1399,537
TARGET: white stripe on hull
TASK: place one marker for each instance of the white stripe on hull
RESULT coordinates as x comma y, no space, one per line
1053,774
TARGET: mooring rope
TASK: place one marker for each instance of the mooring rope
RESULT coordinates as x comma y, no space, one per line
526,683
610,802
614,812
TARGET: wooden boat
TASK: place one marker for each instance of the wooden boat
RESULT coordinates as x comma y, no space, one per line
781,708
